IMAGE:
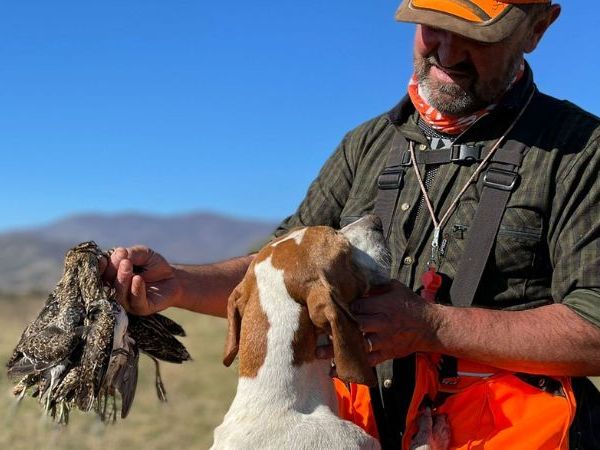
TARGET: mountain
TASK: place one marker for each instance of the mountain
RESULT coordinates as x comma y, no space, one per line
31,260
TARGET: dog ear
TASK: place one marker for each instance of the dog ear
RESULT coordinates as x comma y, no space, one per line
329,312
234,323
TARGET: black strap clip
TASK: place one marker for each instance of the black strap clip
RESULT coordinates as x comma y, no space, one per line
465,153
504,180
405,160
391,178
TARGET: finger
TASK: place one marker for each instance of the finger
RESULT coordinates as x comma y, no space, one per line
375,358
372,343
368,344
123,282
382,290
379,290
371,324
368,305
140,255
155,266
138,300
395,284
102,264
112,267
155,297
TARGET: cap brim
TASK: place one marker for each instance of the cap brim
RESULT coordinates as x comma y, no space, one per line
494,30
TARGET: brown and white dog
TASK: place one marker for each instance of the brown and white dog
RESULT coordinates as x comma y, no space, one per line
298,287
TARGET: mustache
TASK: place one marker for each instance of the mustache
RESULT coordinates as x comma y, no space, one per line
463,67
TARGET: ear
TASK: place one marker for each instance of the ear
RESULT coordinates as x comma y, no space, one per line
330,313
234,323
539,27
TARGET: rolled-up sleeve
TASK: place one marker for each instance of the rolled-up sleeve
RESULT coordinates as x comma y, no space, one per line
574,235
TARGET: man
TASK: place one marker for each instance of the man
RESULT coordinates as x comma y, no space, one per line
537,310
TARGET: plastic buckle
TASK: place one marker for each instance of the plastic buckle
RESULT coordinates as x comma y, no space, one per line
464,153
390,178
406,161
505,180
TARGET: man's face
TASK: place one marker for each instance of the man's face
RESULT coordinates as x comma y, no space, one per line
459,76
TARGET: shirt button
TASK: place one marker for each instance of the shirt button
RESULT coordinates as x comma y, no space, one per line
405,206
422,147
387,383
408,261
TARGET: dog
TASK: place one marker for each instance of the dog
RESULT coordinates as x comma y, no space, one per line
297,289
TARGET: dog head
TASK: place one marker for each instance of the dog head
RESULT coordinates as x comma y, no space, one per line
324,270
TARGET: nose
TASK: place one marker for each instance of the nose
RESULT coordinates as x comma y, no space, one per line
450,47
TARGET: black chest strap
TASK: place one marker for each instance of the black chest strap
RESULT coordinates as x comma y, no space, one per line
499,181
390,399
387,398
390,182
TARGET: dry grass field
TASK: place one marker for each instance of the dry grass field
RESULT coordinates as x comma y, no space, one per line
199,393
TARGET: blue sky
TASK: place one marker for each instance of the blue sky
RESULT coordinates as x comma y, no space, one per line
174,106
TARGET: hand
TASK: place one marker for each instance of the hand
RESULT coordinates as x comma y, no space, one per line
153,289
396,323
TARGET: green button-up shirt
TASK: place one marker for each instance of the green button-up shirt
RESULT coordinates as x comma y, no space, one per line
548,246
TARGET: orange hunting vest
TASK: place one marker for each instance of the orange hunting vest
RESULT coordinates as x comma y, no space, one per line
486,408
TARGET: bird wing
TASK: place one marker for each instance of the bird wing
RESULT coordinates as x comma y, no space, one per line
43,350
168,324
154,339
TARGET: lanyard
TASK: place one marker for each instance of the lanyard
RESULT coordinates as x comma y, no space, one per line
434,260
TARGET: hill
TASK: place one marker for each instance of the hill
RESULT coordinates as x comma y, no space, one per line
31,260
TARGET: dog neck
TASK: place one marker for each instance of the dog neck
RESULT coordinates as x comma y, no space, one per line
281,381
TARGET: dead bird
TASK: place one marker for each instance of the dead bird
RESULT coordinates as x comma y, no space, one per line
83,348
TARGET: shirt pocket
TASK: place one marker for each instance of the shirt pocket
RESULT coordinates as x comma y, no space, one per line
516,243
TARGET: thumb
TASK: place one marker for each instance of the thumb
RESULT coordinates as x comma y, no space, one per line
123,282
139,303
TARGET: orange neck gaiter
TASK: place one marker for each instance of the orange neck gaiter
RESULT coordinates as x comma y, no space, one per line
447,123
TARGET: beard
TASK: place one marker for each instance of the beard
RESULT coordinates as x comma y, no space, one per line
469,95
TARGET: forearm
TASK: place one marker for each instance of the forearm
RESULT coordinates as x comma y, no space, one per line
205,288
551,340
